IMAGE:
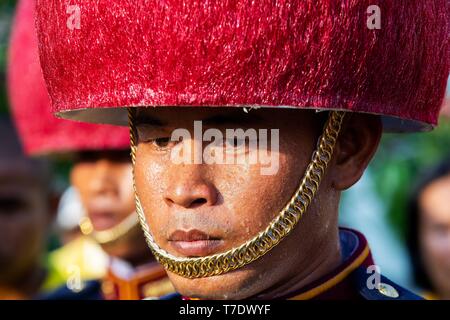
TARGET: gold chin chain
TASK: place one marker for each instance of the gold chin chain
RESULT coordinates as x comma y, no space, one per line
262,243
109,235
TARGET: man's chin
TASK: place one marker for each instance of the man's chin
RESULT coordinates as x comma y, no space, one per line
234,285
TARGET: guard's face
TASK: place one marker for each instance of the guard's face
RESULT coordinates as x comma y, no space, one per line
199,209
104,182
435,233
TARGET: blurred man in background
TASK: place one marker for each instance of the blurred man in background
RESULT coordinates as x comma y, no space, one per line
25,219
101,174
80,257
429,232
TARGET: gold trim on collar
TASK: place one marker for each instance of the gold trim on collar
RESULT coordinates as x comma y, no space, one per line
314,292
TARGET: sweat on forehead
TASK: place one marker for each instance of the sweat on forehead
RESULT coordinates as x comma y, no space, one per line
168,116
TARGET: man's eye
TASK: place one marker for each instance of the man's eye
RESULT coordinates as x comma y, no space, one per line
440,229
11,206
161,142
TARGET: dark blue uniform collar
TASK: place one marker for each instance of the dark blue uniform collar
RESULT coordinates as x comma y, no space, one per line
349,280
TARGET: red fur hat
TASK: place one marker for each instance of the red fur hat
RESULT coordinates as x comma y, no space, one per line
100,56
40,131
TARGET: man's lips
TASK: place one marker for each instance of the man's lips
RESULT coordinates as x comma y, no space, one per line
194,243
102,220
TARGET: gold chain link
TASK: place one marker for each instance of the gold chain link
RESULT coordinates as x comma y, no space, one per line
112,234
266,240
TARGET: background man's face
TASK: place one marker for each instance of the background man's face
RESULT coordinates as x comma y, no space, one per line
202,209
24,213
435,233
105,184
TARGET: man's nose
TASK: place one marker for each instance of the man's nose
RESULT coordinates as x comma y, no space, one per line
101,182
190,189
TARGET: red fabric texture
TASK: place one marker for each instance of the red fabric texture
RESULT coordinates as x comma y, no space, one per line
304,53
40,131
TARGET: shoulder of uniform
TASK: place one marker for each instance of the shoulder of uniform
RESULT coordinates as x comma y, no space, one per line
373,286
170,296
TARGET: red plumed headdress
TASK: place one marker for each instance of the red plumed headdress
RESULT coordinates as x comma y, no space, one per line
101,55
40,131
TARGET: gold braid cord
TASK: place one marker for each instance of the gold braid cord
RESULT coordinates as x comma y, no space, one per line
262,243
112,234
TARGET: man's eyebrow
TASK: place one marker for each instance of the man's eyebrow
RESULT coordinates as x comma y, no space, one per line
232,119
221,119
141,119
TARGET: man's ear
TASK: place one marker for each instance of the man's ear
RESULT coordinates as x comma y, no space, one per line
356,145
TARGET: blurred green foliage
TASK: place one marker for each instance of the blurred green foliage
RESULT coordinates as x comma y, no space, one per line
399,163
6,13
